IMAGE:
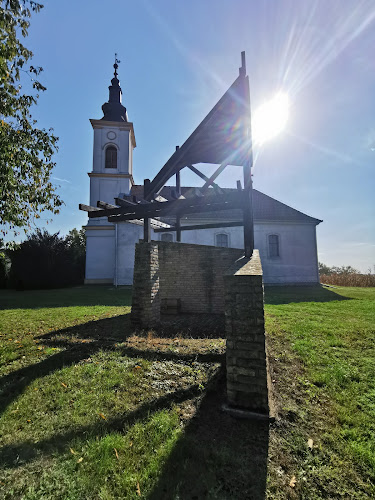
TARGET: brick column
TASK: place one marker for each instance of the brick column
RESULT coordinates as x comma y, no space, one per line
146,290
246,352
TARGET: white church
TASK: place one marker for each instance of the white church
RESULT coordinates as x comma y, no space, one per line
285,237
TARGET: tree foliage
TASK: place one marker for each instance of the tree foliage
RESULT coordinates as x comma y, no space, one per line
26,151
326,270
47,260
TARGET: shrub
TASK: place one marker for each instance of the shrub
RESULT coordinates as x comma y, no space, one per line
47,261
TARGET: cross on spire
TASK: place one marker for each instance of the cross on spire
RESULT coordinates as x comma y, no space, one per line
117,62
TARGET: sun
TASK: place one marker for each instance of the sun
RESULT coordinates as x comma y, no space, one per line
270,118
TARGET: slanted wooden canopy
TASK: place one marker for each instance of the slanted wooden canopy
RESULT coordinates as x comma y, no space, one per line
224,138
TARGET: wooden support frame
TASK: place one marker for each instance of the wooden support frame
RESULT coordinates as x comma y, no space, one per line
207,144
193,227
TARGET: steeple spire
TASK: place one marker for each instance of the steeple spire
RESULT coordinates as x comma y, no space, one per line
113,110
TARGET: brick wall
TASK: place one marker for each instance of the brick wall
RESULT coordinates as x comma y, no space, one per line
146,287
194,274
246,351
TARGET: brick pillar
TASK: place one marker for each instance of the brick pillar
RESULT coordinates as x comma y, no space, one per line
246,352
146,294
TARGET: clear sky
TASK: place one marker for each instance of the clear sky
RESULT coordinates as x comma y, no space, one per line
179,57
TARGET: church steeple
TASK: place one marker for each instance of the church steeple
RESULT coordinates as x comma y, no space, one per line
113,110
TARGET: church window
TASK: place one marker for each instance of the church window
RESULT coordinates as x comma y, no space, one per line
111,157
273,245
221,240
167,237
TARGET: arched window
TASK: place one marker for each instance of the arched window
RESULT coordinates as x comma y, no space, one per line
221,240
273,245
167,237
111,157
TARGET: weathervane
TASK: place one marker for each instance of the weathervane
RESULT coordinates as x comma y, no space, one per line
117,62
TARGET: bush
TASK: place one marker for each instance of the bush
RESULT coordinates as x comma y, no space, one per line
48,261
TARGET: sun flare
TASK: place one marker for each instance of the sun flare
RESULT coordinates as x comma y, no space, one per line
270,118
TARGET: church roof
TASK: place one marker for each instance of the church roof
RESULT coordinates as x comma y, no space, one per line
266,209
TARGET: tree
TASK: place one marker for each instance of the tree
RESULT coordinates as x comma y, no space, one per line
26,151
47,260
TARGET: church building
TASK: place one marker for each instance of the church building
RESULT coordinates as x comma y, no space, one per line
285,237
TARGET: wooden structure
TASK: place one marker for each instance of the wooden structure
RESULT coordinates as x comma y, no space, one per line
223,138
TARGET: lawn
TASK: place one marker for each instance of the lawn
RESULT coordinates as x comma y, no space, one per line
91,410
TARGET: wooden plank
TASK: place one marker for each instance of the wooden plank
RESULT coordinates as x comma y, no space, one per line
88,208
169,207
193,227
124,203
213,207
146,222
217,172
205,178
182,156
103,204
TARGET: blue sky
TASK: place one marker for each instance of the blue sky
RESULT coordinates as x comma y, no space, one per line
178,58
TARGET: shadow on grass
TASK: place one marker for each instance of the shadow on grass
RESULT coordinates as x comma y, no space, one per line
292,294
66,297
216,457
79,343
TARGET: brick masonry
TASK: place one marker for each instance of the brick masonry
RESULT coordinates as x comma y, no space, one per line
194,274
244,325
146,286
210,280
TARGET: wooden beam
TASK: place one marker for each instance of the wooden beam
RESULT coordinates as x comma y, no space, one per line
213,176
103,204
201,226
174,207
205,178
88,208
146,221
195,209
183,156
124,203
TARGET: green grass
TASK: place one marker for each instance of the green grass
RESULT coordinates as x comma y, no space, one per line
322,352
91,410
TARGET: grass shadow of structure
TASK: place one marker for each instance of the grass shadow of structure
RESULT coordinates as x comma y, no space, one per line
66,297
217,457
195,326
293,294
101,334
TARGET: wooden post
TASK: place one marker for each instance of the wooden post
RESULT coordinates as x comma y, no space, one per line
178,192
146,220
248,221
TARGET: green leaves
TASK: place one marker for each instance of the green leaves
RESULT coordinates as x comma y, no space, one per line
26,151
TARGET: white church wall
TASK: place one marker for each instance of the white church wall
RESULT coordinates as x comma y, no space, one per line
297,262
100,255
127,236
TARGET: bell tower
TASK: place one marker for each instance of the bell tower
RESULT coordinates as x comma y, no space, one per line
114,142
111,177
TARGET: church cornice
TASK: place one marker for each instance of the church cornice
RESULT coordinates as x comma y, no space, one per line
116,176
116,125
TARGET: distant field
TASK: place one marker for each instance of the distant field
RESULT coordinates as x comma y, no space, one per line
348,279
91,410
